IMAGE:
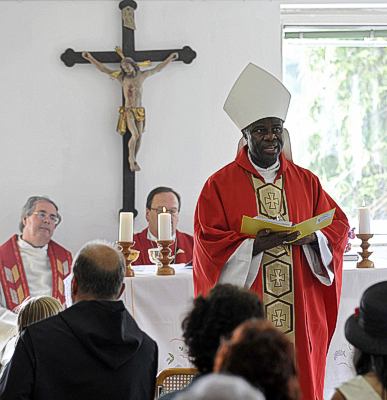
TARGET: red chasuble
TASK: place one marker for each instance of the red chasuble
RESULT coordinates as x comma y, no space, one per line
225,198
182,247
14,280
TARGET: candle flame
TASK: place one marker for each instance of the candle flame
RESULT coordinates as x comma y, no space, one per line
164,210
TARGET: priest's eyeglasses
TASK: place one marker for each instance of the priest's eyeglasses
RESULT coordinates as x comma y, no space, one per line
43,215
161,209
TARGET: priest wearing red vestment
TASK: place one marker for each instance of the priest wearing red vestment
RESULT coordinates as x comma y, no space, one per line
160,198
299,282
31,264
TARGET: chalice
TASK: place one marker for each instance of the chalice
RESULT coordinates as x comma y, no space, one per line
130,255
154,256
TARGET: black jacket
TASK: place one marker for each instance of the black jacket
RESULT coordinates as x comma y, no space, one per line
93,350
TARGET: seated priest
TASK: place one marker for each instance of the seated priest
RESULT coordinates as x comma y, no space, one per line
92,350
297,278
31,264
158,199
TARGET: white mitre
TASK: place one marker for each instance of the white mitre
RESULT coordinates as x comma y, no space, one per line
256,94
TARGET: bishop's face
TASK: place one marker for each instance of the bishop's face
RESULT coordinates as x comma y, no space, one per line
264,140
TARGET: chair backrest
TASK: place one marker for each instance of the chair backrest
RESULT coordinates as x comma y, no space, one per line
172,379
287,150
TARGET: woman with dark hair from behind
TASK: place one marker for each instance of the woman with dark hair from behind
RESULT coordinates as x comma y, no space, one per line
263,355
366,330
212,318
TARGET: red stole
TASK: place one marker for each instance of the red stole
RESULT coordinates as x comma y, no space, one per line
13,278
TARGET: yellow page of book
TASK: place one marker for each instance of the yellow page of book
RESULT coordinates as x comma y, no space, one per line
250,226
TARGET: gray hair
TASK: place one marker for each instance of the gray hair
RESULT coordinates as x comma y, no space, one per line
99,268
29,208
221,387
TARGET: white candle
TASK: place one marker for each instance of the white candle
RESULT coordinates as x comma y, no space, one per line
164,226
126,227
364,220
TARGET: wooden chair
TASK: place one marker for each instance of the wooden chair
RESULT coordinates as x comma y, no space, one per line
172,379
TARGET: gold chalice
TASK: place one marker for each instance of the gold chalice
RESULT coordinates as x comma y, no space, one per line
130,255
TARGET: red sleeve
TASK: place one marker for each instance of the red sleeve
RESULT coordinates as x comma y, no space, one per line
337,235
215,239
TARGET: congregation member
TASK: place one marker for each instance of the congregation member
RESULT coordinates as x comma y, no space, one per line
30,311
298,279
163,199
31,264
212,319
92,350
264,356
221,387
366,330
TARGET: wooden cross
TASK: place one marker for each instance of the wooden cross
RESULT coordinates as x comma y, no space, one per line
71,57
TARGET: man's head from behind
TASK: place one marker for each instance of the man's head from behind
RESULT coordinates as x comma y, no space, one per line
99,271
215,317
220,387
39,218
158,198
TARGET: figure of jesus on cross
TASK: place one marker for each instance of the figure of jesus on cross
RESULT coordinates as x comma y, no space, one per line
132,114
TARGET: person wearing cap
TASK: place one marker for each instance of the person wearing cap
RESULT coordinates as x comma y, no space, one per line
366,330
299,283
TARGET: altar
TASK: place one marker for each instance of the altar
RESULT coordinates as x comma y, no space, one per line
159,304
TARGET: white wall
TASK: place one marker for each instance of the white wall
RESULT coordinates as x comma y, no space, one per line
57,123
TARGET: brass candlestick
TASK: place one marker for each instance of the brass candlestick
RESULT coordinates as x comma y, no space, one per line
165,258
130,255
365,262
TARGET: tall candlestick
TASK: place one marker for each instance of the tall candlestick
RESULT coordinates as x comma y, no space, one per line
164,226
126,227
364,220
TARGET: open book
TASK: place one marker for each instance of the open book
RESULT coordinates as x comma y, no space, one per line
250,226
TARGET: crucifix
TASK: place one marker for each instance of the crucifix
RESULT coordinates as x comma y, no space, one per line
132,117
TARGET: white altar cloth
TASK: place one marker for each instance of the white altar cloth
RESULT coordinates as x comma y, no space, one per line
159,304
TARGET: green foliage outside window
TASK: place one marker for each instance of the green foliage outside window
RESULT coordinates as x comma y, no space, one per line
338,118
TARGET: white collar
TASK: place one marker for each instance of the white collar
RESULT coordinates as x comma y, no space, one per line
27,246
274,167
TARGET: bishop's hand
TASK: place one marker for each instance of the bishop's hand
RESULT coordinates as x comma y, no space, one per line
266,240
310,239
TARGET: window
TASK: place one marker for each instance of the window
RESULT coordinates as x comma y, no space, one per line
338,114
